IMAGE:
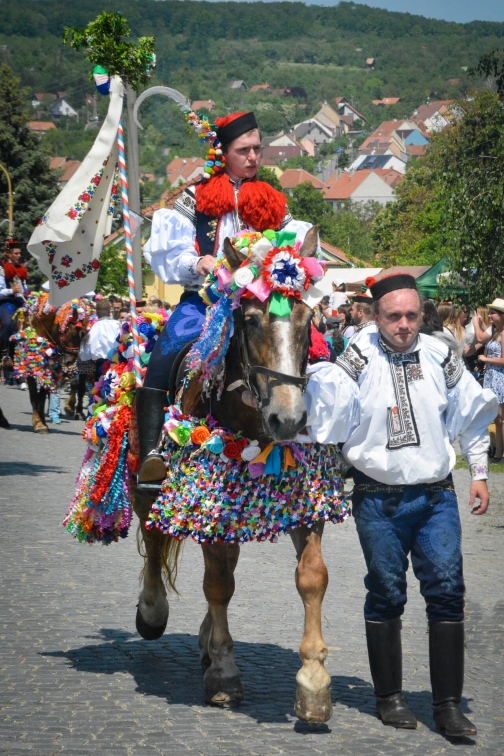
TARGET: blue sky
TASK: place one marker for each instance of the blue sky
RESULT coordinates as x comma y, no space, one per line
448,10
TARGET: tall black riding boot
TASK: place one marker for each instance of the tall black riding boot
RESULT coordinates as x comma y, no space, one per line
385,661
150,412
446,655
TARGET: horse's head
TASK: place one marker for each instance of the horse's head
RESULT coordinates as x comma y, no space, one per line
273,352
61,327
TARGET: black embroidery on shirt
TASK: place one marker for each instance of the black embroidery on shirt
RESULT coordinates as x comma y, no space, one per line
186,205
402,427
453,369
352,361
287,219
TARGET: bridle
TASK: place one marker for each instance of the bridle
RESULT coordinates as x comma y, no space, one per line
248,371
60,345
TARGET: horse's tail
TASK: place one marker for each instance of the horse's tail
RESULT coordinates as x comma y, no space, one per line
170,552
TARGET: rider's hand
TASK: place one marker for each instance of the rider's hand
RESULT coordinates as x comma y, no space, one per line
16,289
479,490
205,264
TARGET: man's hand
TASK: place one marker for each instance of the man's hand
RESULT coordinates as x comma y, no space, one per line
205,264
16,289
479,490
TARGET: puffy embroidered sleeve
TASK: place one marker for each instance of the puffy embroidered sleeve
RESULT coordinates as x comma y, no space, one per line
470,411
332,404
4,291
170,251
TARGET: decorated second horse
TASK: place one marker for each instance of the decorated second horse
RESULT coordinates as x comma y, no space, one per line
47,344
237,467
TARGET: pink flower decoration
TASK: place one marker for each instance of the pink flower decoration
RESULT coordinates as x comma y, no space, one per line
72,213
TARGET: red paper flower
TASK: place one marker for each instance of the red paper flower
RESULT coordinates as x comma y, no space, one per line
233,449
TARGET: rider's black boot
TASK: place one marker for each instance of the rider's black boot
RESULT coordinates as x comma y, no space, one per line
446,656
385,661
150,412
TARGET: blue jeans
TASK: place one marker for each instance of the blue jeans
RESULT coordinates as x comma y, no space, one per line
422,521
54,406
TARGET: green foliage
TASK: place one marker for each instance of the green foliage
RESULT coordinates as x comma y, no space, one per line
113,276
491,64
307,162
26,160
270,177
307,203
102,40
469,164
410,231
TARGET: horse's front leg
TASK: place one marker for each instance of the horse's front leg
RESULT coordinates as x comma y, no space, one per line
313,695
222,677
152,609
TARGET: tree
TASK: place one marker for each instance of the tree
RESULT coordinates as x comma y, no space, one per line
307,203
270,177
410,231
26,160
469,163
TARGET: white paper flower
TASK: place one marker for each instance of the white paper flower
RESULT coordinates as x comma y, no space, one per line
243,277
250,453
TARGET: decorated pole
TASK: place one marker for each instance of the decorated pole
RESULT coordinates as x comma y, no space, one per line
132,290
134,187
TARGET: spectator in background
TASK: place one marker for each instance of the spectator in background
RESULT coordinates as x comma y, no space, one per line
493,360
431,320
451,321
116,307
346,326
337,297
361,313
124,314
101,337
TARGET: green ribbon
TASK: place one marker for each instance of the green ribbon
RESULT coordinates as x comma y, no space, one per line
280,305
286,238
270,235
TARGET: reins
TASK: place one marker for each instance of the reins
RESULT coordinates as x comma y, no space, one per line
248,370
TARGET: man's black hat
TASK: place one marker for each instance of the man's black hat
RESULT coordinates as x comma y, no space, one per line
392,283
363,298
235,128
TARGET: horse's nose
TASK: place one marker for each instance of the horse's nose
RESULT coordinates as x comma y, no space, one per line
285,427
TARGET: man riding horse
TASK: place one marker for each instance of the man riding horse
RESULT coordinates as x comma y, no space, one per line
183,247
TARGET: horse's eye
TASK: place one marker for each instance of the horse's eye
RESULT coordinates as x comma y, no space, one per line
253,319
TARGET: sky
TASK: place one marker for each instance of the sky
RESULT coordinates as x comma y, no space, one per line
461,11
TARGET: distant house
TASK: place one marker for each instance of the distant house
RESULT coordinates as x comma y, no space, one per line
282,92
272,166
309,146
384,160
292,177
41,127
203,105
183,170
330,118
333,254
260,88
237,84
371,62
435,115
277,154
363,186
67,167
43,98
345,109
62,108
387,101
453,82
90,100
315,131
387,133
280,140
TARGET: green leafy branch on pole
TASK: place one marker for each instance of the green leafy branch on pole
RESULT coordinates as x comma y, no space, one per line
104,45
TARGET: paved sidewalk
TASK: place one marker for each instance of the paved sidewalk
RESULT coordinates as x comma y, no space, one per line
76,678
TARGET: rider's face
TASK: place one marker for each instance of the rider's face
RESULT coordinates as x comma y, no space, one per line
14,256
243,156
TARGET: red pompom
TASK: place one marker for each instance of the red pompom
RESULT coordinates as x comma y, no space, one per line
369,282
221,122
259,205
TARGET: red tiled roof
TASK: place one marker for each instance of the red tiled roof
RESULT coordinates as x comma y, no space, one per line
69,167
335,251
183,167
417,150
41,126
424,112
203,105
387,101
292,177
282,153
346,185
258,87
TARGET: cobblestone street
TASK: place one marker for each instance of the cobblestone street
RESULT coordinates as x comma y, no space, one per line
77,679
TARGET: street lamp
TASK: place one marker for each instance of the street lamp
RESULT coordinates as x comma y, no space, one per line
9,189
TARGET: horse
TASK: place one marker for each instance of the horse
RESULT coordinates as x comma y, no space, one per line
267,354
58,330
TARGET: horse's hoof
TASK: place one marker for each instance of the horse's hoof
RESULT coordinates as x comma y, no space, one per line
224,692
41,428
313,707
147,631
69,412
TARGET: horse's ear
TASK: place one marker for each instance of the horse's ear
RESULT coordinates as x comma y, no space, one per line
232,255
310,243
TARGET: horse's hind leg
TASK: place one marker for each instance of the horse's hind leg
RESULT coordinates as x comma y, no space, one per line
152,611
222,677
81,393
313,695
37,398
